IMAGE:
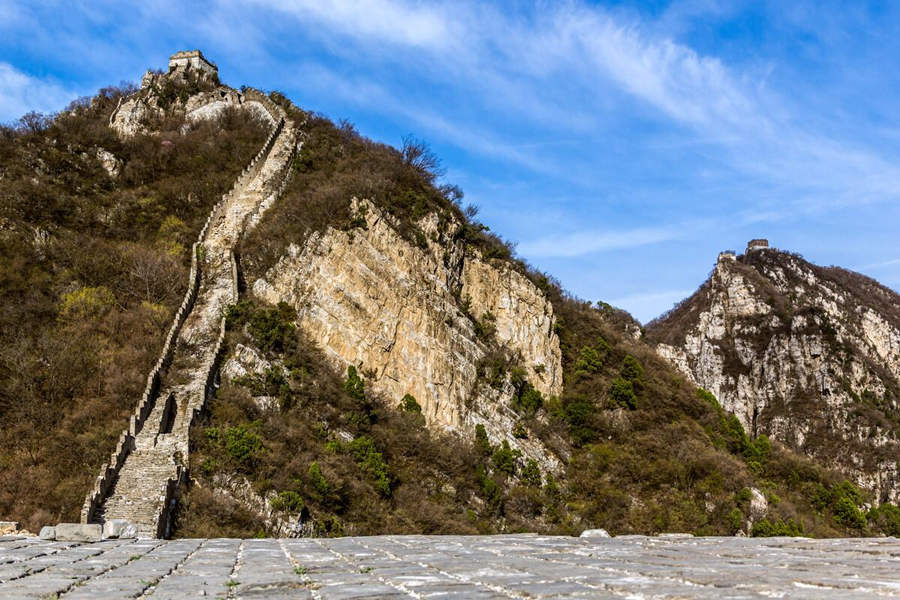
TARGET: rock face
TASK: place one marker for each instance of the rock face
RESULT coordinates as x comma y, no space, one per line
396,310
111,164
8,527
806,354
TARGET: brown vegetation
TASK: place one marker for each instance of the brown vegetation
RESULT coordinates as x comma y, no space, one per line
91,270
648,453
93,266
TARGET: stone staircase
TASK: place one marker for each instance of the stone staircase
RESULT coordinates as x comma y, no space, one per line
141,482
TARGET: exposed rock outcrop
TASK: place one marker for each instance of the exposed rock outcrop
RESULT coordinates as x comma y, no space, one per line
806,354
195,92
372,299
111,164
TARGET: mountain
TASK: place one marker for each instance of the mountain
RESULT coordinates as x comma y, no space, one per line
225,315
807,355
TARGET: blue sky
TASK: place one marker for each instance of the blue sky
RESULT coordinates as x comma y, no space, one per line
622,145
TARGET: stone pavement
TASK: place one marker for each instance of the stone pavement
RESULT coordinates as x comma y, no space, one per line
508,566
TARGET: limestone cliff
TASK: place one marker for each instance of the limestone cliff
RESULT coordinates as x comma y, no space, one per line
806,354
406,314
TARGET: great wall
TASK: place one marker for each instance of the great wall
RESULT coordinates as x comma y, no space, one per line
116,550
145,473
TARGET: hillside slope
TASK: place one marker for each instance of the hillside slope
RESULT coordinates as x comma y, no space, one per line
95,233
358,276
390,365
808,355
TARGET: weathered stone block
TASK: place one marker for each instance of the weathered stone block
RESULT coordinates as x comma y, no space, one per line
79,532
595,533
118,528
48,532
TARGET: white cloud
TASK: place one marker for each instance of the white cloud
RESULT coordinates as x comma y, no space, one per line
21,93
586,242
382,20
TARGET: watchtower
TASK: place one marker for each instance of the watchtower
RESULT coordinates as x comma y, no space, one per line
757,244
192,59
726,255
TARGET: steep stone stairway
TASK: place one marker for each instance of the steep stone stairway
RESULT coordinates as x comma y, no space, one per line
141,480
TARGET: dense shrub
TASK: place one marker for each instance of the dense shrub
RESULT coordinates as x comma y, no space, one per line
531,473
372,463
848,514
481,441
408,403
631,370
765,528
354,386
885,519
504,458
590,359
242,443
528,401
621,393
288,501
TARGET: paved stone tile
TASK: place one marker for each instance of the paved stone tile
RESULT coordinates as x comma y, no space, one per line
50,574
204,573
438,567
129,578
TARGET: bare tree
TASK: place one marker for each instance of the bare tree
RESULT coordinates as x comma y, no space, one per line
419,156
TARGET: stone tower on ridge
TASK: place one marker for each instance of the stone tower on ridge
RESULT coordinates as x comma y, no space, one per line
192,59
757,244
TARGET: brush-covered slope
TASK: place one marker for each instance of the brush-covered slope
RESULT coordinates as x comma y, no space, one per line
396,368
95,232
391,367
808,355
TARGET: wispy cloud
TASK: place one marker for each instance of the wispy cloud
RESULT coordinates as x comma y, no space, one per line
588,242
878,265
412,24
20,93
564,66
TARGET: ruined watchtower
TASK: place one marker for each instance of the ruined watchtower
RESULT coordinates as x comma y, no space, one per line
192,59
757,244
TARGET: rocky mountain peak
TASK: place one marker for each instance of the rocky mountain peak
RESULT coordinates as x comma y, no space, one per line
806,354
